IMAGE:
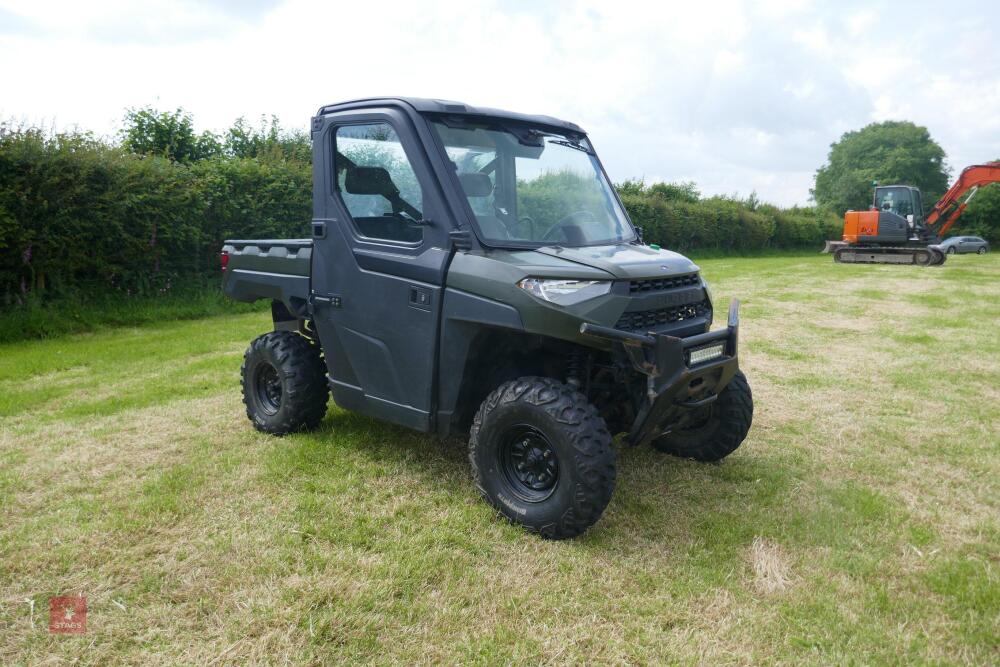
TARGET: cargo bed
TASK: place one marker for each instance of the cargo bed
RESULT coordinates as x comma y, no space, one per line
276,269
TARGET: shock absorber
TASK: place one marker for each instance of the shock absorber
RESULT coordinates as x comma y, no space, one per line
576,362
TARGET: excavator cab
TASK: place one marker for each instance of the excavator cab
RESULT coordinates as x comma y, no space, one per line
903,200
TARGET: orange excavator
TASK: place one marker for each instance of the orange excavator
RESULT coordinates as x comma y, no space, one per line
895,230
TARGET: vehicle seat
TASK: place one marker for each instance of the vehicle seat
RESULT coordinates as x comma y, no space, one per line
478,184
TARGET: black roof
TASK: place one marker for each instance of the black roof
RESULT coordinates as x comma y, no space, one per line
424,105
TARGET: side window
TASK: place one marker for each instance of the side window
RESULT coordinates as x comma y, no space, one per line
377,184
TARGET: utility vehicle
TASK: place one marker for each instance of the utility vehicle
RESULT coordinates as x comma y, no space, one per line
473,271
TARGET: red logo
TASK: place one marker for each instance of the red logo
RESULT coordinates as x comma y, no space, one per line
68,615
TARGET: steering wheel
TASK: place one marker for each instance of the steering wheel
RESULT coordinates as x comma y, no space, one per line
567,221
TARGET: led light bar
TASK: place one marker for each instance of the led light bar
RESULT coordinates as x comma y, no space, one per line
703,354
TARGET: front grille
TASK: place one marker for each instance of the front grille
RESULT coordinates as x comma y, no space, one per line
661,284
644,320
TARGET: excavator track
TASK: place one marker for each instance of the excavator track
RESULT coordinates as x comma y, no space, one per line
889,255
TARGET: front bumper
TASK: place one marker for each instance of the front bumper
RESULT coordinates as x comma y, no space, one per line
675,383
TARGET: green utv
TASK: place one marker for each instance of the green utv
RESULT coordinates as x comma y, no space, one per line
473,270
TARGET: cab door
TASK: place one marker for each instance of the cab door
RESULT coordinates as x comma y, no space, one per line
381,252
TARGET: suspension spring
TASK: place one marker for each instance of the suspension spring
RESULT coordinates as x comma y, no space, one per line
576,362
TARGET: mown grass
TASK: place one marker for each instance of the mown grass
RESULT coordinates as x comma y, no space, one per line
858,524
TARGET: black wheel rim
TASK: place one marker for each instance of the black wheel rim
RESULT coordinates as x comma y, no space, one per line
267,384
528,463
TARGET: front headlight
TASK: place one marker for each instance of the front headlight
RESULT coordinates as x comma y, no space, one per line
708,291
565,292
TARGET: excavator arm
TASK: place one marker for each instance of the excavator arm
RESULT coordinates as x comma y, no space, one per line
948,209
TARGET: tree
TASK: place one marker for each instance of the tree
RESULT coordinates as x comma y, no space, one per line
267,141
982,218
168,134
896,152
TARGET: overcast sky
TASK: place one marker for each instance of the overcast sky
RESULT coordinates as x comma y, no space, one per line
735,96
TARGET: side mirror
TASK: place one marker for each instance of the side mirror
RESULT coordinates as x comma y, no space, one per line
909,218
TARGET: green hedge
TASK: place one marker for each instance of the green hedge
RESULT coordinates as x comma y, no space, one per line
82,216
728,224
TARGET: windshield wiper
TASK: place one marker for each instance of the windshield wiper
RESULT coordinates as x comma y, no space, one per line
571,144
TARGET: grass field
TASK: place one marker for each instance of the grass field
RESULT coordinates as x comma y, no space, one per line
859,523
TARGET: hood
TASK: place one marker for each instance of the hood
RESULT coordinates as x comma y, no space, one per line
625,260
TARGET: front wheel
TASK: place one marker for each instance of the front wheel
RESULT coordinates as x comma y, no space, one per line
542,455
717,433
981,251
951,250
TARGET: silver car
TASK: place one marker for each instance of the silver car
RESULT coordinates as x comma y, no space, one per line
963,244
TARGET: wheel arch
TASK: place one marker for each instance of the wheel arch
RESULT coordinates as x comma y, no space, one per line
483,344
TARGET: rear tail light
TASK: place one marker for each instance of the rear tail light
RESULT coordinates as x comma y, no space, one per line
224,260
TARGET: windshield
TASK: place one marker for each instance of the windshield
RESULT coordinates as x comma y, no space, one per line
527,186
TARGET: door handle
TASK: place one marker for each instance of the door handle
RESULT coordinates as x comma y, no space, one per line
320,300
420,297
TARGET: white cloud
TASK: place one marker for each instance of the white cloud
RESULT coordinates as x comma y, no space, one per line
729,62
736,96
860,22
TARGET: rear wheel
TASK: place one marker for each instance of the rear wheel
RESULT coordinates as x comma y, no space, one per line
284,383
542,456
717,432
